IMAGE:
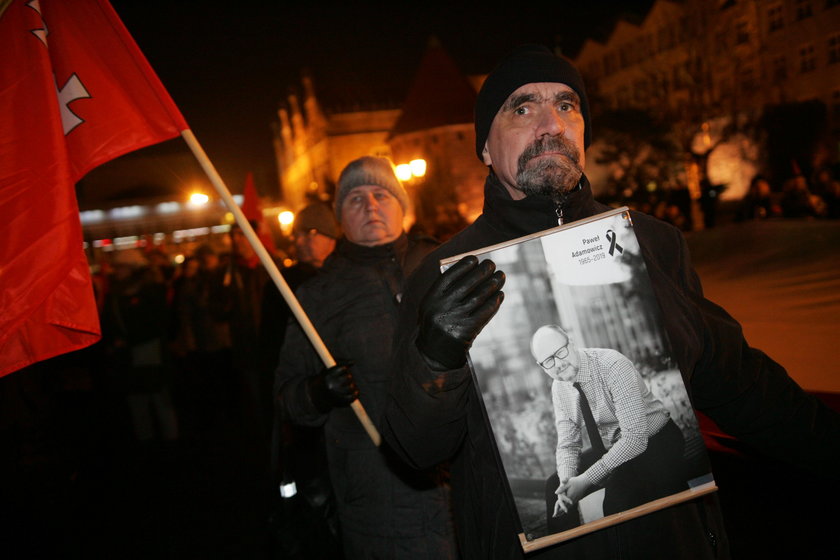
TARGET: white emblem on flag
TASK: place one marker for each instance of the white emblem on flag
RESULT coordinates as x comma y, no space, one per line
72,90
41,32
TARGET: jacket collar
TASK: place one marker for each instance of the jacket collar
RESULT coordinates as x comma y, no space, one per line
371,255
532,213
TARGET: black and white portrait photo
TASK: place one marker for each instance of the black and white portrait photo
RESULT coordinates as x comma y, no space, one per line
586,404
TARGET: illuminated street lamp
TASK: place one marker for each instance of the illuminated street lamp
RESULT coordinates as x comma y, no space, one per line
403,171
414,168
418,167
286,218
198,199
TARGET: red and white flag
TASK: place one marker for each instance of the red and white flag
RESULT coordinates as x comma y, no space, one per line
75,92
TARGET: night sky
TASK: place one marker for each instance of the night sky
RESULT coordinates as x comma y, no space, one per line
229,65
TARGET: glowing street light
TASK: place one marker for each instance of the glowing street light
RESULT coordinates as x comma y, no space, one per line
418,167
403,171
199,199
286,218
415,168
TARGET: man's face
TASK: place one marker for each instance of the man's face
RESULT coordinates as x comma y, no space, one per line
371,215
535,144
313,247
556,354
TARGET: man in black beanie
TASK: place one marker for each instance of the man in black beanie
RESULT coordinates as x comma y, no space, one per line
532,128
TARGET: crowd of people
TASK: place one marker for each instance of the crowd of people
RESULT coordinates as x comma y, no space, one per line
798,198
795,197
196,348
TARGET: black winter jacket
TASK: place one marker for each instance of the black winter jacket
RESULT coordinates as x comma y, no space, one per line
743,390
352,303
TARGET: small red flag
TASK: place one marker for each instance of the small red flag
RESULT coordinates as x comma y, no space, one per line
75,92
251,206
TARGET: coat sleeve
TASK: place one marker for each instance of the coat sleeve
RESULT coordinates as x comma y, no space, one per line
749,395
425,415
297,363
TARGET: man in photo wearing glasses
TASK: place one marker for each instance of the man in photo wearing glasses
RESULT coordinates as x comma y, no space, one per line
635,451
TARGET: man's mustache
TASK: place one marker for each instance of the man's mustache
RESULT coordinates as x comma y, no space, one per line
549,144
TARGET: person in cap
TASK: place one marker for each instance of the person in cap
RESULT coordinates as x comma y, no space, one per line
297,452
314,235
385,508
532,128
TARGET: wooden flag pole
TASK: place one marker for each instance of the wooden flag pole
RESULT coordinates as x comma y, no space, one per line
274,272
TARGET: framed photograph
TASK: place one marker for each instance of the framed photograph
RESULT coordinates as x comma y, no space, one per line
591,419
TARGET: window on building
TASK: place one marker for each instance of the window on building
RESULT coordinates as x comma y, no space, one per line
807,59
803,9
640,92
685,26
662,39
748,80
678,80
609,64
779,68
834,49
720,42
624,57
742,32
663,83
650,40
775,18
622,98
724,89
835,107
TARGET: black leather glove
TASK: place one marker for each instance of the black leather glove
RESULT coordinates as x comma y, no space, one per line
455,309
332,387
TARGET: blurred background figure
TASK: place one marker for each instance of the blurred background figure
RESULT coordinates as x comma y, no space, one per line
759,202
314,233
797,201
297,452
134,329
827,187
235,297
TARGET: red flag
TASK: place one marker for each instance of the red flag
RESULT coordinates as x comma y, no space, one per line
251,206
75,92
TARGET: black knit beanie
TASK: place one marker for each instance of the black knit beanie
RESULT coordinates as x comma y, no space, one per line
526,64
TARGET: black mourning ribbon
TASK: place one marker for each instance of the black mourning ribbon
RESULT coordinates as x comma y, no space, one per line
611,237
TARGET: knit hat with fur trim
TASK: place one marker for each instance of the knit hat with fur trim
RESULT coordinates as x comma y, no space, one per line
526,64
369,170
